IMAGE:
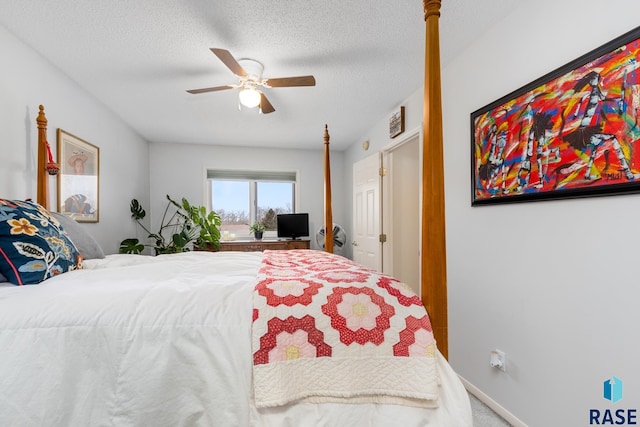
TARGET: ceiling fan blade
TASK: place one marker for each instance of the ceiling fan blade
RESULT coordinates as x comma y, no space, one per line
228,60
265,105
292,81
210,89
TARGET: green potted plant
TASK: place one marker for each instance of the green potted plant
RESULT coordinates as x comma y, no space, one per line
188,225
257,228
208,224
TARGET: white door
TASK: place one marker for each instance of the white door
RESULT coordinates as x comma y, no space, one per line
366,212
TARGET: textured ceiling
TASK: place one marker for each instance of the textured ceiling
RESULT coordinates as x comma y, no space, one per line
139,58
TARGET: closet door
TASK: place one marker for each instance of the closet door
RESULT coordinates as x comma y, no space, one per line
367,249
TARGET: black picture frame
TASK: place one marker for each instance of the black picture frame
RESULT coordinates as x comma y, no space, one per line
574,132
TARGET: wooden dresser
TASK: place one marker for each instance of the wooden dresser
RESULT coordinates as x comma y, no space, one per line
261,245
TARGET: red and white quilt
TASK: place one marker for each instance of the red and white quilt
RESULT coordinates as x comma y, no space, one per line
327,329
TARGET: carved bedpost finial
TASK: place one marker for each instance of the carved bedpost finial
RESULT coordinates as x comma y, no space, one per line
326,134
41,120
431,7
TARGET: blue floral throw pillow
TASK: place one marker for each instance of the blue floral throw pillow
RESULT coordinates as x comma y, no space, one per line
33,246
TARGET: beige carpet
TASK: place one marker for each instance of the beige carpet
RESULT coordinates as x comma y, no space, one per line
483,416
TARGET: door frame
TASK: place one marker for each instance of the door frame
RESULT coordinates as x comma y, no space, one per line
386,214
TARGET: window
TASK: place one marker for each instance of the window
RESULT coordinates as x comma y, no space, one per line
244,197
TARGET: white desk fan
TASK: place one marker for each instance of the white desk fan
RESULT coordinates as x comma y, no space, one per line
339,238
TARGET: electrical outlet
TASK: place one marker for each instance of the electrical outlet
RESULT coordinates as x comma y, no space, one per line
498,360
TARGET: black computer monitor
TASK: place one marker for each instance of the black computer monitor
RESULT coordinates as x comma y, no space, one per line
293,225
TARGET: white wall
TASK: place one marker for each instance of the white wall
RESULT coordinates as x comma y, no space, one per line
553,284
28,80
179,170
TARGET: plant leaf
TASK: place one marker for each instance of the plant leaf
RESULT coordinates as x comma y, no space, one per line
136,210
130,246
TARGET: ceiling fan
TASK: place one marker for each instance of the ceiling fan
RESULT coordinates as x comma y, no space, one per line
249,73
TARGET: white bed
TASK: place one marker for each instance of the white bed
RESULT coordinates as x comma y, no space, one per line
160,341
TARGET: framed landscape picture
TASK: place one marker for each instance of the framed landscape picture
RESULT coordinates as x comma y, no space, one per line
79,178
574,132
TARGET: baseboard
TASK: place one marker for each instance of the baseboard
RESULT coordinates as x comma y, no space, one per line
482,397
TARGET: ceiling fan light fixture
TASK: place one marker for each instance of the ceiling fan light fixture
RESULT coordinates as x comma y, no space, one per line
249,73
249,97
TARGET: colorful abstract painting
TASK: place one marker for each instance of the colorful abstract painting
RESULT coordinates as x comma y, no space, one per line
571,133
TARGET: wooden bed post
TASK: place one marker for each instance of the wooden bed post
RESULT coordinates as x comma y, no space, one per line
42,184
328,217
433,251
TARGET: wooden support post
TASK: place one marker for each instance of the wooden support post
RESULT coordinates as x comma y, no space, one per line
43,178
328,216
433,254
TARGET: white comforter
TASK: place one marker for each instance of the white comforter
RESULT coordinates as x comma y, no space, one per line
159,341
